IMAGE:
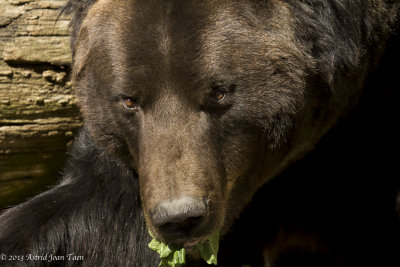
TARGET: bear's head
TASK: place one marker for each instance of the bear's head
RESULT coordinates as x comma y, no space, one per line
203,99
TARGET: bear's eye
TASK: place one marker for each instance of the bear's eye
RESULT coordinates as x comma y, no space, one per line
217,96
129,103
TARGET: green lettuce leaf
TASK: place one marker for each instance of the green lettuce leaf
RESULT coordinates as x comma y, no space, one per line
172,256
169,256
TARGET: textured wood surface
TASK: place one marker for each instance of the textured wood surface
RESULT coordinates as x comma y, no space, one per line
38,111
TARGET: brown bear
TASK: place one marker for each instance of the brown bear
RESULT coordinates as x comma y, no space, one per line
190,107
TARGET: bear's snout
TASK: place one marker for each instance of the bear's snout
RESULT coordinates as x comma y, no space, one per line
179,216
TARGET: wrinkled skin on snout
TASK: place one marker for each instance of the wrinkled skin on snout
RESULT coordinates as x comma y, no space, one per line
200,98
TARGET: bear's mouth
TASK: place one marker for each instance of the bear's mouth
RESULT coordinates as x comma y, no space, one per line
187,239
192,242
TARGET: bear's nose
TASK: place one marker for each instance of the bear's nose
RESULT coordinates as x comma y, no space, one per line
179,215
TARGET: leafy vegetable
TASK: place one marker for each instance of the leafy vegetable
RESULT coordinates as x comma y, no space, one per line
172,256
169,257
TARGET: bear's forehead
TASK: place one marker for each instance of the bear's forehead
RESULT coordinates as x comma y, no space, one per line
176,38
160,19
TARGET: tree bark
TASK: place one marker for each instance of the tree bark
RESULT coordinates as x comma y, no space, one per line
38,111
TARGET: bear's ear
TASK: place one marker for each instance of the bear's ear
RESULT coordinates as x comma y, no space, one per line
78,9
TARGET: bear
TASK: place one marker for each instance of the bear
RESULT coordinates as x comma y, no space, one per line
193,111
